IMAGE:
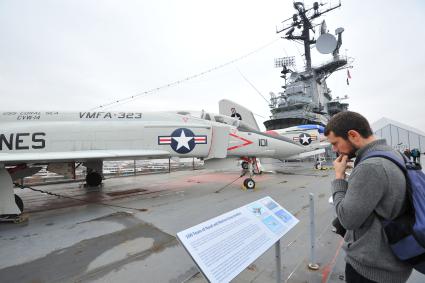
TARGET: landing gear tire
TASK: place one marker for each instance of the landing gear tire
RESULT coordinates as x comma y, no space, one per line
249,184
93,179
19,203
245,165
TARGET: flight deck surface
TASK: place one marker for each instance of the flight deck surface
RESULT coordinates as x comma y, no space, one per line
126,231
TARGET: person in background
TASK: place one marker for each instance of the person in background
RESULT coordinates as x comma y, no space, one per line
407,153
415,155
235,114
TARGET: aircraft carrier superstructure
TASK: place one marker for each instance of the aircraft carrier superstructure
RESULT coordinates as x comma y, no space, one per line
306,99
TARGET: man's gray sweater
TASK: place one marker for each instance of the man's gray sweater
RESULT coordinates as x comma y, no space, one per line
375,187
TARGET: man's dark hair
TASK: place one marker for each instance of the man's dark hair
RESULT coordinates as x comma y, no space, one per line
345,121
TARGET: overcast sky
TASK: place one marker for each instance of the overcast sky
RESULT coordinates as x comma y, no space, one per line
78,54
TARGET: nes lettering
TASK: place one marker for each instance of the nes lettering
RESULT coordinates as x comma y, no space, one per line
22,141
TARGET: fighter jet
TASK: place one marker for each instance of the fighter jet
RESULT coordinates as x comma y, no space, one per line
247,144
310,137
31,139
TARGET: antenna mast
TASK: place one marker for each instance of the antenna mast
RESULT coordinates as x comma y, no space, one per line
303,20
306,98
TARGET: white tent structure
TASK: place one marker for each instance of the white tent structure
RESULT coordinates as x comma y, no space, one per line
398,135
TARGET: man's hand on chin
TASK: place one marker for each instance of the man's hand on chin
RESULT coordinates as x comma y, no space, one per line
340,165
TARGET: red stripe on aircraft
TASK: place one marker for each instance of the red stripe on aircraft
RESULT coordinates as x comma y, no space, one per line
272,133
200,140
246,142
164,140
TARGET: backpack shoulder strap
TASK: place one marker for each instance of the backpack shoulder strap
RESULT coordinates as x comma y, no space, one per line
401,161
398,159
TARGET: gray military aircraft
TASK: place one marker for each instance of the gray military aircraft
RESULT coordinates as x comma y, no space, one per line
31,139
311,137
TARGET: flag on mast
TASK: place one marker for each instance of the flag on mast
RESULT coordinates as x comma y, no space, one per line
348,77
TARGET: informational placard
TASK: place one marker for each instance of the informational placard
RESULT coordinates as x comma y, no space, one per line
224,246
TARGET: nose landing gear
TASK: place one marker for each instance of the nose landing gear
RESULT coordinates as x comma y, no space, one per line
249,184
249,166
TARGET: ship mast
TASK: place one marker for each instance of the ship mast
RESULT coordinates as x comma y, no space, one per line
304,21
306,99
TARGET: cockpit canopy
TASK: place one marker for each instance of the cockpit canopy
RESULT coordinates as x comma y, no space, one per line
220,118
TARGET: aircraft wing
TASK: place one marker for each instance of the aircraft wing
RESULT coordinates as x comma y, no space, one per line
84,155
306,154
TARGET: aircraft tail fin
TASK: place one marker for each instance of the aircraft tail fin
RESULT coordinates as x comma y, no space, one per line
226,106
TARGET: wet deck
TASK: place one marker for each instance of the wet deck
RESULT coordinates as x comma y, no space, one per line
125,232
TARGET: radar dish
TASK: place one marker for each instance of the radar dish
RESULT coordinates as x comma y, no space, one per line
326,43
339,30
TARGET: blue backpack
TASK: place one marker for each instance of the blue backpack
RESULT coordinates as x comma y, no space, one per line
406,233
